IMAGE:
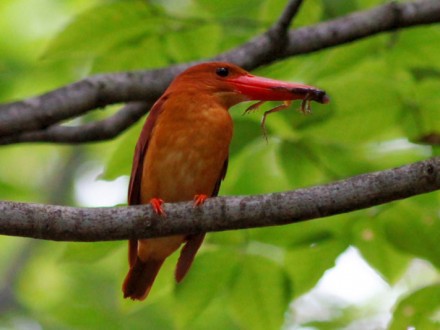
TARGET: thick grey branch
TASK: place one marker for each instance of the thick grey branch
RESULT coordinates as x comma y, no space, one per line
96,131
388,17
221,213
42,111
73,100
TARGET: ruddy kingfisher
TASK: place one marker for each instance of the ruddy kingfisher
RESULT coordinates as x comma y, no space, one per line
182,154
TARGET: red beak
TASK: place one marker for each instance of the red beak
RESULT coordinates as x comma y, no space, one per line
264,89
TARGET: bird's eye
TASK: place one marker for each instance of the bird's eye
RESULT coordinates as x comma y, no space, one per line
222,72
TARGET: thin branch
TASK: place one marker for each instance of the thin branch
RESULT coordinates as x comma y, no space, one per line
96,131
42,111
277,34
285,20
221,213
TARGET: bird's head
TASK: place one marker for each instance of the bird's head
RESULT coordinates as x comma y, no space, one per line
231,84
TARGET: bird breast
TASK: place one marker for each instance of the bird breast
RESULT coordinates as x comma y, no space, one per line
186,153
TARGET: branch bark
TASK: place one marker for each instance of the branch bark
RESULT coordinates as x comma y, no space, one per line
221,213
96,131
41,112
386,18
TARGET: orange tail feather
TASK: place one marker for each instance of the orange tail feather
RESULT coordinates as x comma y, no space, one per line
140,278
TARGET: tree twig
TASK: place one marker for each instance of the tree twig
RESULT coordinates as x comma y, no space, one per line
220,213
40,112
281,26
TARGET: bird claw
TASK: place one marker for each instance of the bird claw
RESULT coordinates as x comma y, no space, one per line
156,204
199,199
253,107
306,107
280,107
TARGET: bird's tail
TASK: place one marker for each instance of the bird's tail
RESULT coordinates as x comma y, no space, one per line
140,278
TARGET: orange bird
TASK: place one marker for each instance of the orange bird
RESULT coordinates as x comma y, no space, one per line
182,154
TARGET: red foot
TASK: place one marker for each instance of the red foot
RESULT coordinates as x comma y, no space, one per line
199,199
156,204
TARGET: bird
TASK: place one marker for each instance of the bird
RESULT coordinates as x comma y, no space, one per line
182,155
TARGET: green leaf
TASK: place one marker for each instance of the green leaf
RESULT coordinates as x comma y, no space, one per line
369,238
420,310
214,316
107,26
427,114
259,294
256,170
364,109
208,280
121,158
414,227
132,57
229,8
304,233
246,130
306,264
414,48
226,238
88,252
335,8
199,41
301,164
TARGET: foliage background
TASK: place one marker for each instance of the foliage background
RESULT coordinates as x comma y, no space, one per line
384,100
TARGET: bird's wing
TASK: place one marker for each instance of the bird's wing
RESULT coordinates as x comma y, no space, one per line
220,179
134,188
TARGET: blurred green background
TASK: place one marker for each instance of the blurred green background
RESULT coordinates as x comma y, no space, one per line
385,100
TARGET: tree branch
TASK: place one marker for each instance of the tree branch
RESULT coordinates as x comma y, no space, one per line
345,29
389,17
96,131
78,98
40,112
222,213
282,25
